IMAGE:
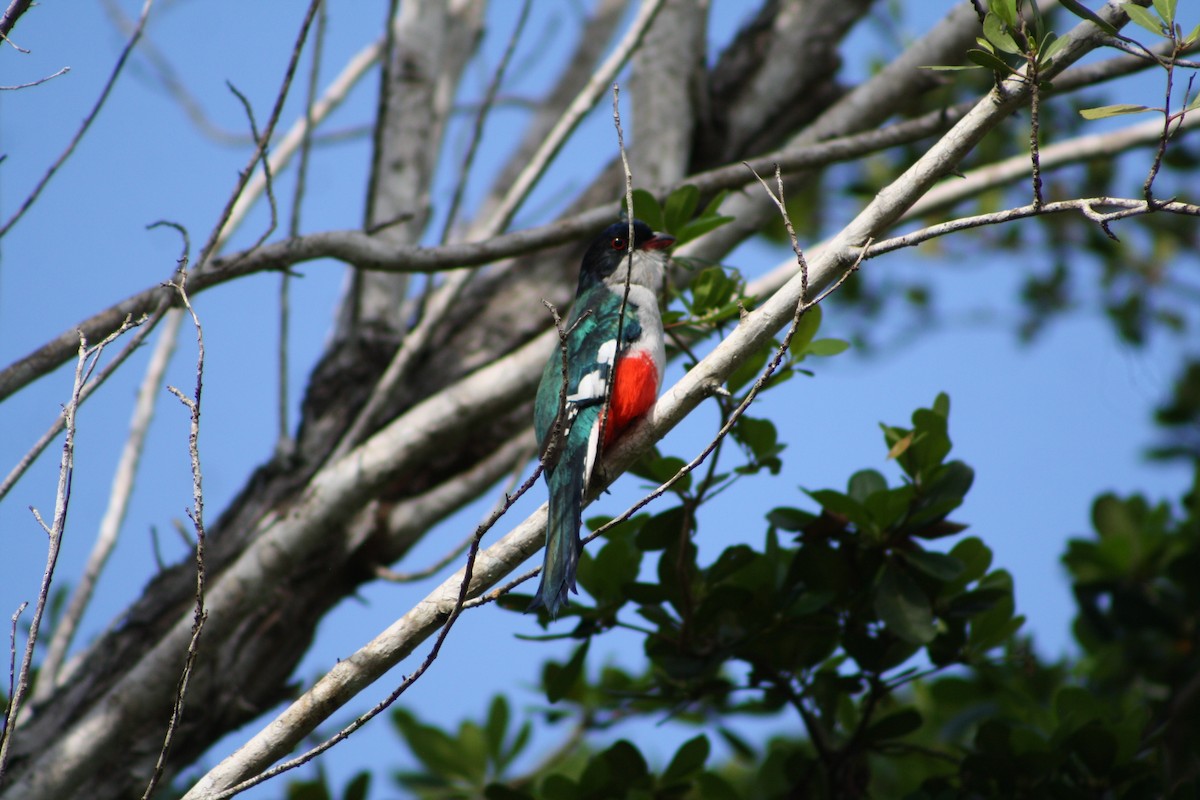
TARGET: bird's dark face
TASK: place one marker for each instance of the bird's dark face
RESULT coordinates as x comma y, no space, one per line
609,252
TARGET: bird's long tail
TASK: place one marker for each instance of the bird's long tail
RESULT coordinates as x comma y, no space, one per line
568,482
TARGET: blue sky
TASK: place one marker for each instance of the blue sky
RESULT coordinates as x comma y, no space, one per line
1047,427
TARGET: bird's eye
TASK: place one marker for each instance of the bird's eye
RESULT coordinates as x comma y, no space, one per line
618,243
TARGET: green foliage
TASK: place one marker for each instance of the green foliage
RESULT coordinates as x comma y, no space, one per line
900,663
462,765
677,214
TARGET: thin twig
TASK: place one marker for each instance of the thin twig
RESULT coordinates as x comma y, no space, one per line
84,366
610,384
777,199
145,325
481,115
196,514
87,120
571,118
265,158
283,437
222,228
38,82
12,660
1129,207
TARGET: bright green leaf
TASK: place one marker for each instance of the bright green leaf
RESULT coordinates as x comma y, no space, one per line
951,67
698,227
1143,18
1166,10
989,61
1051,46
1193,36
680,206
1005,10
646,208
806,329
827,347
1083,12
996,32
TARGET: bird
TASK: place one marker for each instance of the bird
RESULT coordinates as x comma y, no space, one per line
613,333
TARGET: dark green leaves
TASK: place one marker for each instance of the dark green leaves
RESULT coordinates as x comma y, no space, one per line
903,607
677,215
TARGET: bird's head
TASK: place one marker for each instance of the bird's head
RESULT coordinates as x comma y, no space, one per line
607,259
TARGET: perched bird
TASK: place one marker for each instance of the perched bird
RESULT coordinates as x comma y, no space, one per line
613,337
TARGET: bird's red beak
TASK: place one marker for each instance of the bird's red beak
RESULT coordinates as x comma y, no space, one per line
659,241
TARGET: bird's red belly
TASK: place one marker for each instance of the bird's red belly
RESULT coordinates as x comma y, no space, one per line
635,388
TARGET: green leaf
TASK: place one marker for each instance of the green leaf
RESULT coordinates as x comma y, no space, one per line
1051,46
806,329
559,680
308,790
711,289
975,556
757,434
680,206
935,565
941,405
1083,12
434,748
713,787
1143,18
988,61
495,727
895,725
996,32
790,519
357,787
498,791
698,227
688,759
865,483
1191,37
950,67
903,607
646,208
660,530
1120,109
1005,10
842,505
626,765
714,205
732,560
559,787
827,347
614,566
1166,10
